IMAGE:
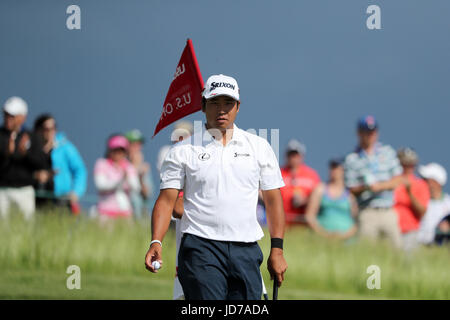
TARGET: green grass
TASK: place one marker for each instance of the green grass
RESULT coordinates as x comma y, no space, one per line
34,258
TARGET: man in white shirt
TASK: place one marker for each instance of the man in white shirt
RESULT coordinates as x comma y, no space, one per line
439,206
221,170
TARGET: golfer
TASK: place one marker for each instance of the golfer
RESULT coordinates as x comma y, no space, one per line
221,170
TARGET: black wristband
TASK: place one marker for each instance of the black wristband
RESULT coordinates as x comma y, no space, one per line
276,243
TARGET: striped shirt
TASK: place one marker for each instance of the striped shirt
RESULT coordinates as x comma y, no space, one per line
366,169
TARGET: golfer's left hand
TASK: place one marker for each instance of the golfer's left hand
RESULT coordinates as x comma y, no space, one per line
276,264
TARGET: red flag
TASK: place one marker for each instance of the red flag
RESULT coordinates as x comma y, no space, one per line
185,92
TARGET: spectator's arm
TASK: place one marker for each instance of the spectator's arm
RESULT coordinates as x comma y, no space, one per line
386,185
317,182
356,191
312,210
78,170
354,206
396,171
418,208
133,179
103,182
352,177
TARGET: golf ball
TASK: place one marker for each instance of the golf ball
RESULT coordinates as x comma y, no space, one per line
156,265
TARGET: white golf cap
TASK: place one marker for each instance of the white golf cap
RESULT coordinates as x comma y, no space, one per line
433,171
15,106
221,85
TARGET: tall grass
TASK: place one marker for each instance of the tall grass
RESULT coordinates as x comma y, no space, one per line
54,241
318,268
341,268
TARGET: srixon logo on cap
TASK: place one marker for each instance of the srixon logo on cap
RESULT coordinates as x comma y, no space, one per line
215,85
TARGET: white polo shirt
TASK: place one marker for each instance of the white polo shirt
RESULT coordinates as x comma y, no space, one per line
221,183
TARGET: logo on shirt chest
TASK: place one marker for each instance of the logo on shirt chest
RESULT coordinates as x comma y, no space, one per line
236,154
204,156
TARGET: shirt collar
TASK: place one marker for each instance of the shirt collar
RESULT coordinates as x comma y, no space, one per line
237,134
363,153
237,137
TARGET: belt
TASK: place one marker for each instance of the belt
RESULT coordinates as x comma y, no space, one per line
379,208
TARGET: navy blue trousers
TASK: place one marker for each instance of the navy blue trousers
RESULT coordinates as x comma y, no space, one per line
219,270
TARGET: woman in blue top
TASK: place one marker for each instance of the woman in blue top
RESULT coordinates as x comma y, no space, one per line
332,208
68,171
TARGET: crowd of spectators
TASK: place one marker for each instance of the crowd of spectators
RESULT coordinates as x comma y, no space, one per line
37,166
41,168
372,192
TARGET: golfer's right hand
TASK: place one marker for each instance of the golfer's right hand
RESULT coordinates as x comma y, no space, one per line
154,253
276,264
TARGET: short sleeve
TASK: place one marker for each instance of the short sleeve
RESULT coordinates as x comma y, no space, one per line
173,170
270,174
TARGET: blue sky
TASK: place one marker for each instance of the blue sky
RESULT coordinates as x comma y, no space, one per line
309,68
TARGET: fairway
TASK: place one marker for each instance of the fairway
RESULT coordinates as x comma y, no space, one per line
34,258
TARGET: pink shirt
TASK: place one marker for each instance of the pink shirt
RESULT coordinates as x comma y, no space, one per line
114,187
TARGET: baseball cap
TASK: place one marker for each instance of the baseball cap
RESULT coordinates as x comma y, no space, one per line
367,123
295,145
135,135
221,85
407,156
15,106
433,171
117,142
